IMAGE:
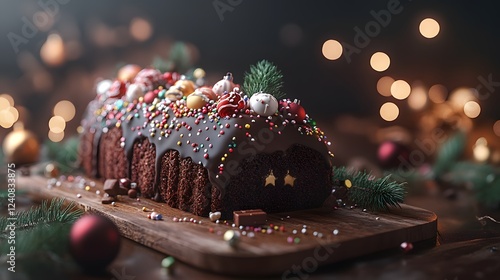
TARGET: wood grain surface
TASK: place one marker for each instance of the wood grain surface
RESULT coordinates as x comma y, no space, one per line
359,232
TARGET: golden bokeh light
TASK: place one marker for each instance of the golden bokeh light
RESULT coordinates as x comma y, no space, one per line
52,51
496,128
65,109
418,98
140,29
472,109
400,89
6,119
380,61
438,93
389,111
56,137
384,85
332,49
429,28
460,96
480,150
15,114
57,124
4,104
7,98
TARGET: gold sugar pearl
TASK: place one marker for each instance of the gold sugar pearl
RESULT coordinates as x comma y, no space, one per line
348,183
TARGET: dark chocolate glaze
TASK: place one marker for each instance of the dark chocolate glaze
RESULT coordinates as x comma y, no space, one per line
207,141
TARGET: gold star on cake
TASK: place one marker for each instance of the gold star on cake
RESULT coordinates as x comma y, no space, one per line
289,179
270,179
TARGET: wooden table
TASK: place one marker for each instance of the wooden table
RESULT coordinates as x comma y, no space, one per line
467,249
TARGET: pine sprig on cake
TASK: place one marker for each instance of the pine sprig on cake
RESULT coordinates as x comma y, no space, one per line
264,77
368,192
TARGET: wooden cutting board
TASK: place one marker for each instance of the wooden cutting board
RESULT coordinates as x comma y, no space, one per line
359,232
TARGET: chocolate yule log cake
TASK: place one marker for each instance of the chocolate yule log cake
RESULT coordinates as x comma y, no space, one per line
205,149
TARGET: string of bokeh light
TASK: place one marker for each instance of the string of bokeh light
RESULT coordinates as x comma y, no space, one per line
418,97
9,115
64,111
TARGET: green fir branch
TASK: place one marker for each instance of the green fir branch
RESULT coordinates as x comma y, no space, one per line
449,152
369,192
65,154
484,179
42,228
264,77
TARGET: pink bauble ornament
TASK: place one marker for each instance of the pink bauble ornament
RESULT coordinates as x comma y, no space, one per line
230,103
149,78
94,242
225,85
392,155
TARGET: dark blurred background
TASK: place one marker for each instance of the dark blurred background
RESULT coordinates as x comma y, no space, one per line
68,45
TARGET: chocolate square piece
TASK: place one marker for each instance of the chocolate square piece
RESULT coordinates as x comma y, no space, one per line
112,187
249,217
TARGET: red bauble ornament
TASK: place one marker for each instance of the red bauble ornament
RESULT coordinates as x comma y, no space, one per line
230,103
293,110
117,89
392,155
94,242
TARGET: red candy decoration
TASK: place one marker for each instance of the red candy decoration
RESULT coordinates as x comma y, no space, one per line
171,77
94,242
293,110
230,103
117,89
149,78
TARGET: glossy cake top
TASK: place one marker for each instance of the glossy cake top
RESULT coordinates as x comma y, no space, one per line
216,126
